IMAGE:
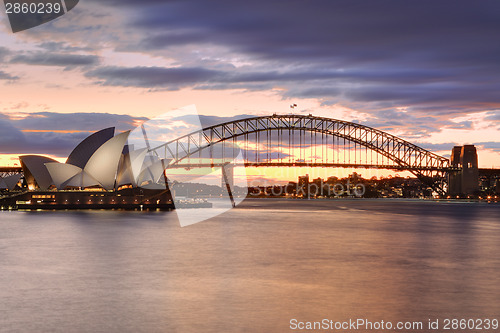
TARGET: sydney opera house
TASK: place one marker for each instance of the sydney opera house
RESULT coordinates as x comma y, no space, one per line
103,171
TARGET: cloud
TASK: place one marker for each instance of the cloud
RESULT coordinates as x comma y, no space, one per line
69,61
7,76
447,146
178,77
406,123
56,133
493,116
151,77
62,47
463,125
4,52
495,146
327,81
18,106
342,32
51,143
436,60
47,121
10,135
437,57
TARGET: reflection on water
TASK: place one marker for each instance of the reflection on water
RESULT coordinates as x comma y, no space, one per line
251,269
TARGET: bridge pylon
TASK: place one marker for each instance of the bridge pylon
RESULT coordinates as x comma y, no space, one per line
464,180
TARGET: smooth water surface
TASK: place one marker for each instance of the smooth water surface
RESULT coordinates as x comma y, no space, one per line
251,269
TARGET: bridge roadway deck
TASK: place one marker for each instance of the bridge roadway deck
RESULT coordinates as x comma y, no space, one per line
306,164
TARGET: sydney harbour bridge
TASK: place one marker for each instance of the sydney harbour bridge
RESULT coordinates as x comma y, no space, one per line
311,141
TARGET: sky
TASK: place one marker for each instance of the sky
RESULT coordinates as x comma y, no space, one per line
426,71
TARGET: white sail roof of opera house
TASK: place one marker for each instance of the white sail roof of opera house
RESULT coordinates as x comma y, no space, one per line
100,160
85,149
65,175
131,166
35,171
81,179
103,164
61,172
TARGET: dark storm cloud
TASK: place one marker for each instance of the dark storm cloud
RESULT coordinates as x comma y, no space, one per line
68,61
437,56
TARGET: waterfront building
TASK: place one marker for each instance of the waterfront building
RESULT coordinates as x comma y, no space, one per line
101,172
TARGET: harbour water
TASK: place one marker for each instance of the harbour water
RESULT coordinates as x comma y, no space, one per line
251,269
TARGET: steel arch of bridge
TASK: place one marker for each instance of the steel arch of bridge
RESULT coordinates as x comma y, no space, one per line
405,155
9,171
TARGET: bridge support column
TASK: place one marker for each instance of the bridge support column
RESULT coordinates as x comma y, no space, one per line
465,181
227,180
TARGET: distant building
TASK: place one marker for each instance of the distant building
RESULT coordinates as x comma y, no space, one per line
303,185
303,181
